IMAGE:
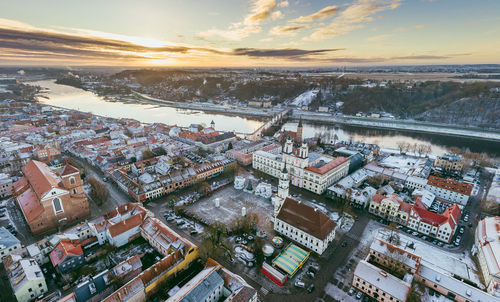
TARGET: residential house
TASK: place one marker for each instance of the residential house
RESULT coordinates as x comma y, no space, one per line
25,277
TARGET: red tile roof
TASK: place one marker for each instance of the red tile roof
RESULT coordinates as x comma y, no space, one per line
450,184
30,205
69,169
306,218
450,215
125,225
329,165
40,177
63,249
378,198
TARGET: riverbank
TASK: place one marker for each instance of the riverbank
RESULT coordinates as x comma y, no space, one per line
392,124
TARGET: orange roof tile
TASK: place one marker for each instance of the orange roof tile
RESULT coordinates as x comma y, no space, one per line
64,248
40,177
329,165
125,225
30,205
69,169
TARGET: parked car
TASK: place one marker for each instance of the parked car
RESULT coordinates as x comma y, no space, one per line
344,243
311,288
351,291
359,295
414,233
310,274
299,283
461,230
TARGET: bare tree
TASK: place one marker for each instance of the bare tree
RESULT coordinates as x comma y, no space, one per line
401,146
99,192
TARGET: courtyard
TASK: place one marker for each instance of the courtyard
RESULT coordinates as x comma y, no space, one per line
230,204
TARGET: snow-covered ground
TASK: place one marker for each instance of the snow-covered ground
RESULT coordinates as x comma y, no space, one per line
305,98
335,292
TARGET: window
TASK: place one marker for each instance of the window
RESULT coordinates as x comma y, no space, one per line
72,180
56,202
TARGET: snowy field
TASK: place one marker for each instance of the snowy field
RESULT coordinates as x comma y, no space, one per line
231,202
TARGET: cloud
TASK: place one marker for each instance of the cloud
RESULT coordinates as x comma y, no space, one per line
234,33
259,11
285,52
276,15
379,37
319,15
420,26
283,4
288,30
353,17
36,45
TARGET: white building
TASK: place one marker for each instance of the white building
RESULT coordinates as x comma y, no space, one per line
487,250
5,185
450,190
8,243
300,222
311,171
25,277
379,284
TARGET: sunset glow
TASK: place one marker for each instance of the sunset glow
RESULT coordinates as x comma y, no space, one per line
249,33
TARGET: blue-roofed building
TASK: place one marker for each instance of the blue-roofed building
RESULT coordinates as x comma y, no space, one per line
8,243
356,161
207,286
94,289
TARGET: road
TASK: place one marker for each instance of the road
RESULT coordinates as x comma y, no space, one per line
116,196
333,258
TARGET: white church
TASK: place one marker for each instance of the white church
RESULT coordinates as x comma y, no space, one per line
300,222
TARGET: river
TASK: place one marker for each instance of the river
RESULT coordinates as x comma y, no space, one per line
390,138
78,99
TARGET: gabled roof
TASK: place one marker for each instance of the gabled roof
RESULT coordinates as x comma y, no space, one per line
451,185
125,225
378,198
63,249
40,177
450,215
29,205
69,169
328,166
306,218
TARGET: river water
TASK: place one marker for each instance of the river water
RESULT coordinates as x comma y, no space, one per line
390,138
78,99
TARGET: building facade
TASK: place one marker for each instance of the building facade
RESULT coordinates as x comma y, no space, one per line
314,172
380,285
300,222
8,243
49,200
450,190
25,277
449,162
487,251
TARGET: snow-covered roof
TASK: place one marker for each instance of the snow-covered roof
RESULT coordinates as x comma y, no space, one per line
388,283
454,285
488,236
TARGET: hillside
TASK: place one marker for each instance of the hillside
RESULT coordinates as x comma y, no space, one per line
468,112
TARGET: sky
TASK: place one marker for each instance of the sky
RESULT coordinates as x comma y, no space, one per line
249,33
